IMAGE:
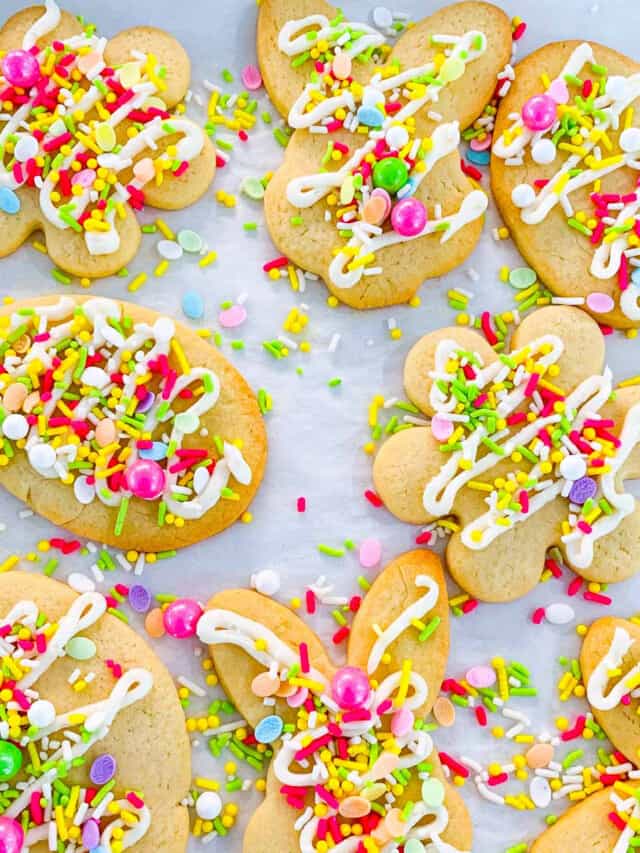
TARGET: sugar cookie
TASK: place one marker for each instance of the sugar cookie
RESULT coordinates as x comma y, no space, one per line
122,425
112,145
536,454
391,680
374,161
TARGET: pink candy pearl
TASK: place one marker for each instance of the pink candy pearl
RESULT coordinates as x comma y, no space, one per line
350,688
11,835
409,217
181,618
146,479
539,112
21,68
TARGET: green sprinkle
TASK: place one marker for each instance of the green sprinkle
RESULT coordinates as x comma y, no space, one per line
227,76
429,629
281,137
363,583
331,552
333,383
122,514
250,226
572,757
579,226
149,229
118,614
60,277
50,567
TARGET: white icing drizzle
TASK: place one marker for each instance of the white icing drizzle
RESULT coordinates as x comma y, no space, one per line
99,311
130,688
307,190
583,403
188,147
294,45
415,611
607,257
620,645
45,24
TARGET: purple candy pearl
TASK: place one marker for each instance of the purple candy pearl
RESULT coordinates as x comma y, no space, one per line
103,769
91,834
139,598
582,490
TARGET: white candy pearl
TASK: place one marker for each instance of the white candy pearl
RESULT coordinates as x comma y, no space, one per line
42,456
208,805
543,151
200,480
41,714
559,613
630,139
25,148
523,195
15,427
382,17
573,467
266,581
396,137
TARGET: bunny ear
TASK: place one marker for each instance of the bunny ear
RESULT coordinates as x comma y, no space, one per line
283,80
405,617
584,351
235,667
167,51
16,227
16,27
464,99
272,825
68,250
176,193
583,827
620,722
421,361
401,470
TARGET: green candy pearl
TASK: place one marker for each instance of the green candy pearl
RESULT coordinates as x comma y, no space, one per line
10,760
390,174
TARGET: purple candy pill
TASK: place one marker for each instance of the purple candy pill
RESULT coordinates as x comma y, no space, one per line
146,403
103,769
139,598
91,834
582,490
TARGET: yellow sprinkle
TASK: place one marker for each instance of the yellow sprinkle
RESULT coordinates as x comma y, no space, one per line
164,229
9,563
208,259
450,525
179,354
61,824
480,487
627,383
161,269
561,183
403,687
309,683
137,282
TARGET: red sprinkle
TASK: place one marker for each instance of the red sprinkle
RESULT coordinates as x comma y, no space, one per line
489,334
597,598
340,635
574,586
311,602
452,764
538,615
301,504
373,498
519,31
424,538
481,715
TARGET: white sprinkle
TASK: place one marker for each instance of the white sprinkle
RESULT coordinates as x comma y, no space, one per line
80,583
191,686
333,343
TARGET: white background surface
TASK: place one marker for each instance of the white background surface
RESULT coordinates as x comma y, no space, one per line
316,433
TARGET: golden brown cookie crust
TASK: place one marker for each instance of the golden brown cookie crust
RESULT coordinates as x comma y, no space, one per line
148,738
559,255
236,415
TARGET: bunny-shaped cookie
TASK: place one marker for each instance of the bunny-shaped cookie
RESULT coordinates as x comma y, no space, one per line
527,450
87,137
355,770
564,173
373,164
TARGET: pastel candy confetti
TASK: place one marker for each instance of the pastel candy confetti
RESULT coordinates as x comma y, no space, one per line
81,648
103,769
269,729
170,250
559,614
139,598
600,303
251,78
522,277
190,241
9,201
232,317
369,553
478,158
441,427
481,676
208,804
193,305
